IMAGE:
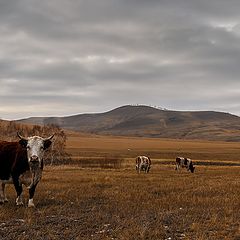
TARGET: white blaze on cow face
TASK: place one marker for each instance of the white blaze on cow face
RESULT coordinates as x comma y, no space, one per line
35,151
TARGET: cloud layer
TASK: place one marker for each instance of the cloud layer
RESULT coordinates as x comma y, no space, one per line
64,57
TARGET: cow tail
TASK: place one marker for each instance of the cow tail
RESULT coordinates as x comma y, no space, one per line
149,164
178,160
137,163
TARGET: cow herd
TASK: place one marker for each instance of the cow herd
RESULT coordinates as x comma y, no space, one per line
143,163
21,163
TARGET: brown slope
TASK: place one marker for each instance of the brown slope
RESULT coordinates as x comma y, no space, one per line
151,122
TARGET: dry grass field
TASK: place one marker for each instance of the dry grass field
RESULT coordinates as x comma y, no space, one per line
129,147
100,195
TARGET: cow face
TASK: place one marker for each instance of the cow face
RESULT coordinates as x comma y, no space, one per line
35,149
192,168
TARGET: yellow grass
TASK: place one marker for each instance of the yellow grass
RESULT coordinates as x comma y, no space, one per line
97,203
75,203
102,146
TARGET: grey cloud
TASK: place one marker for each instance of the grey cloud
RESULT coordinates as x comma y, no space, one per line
97,55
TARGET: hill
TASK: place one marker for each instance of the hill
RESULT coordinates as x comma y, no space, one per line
145,121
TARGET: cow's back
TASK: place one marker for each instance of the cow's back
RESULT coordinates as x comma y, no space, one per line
13,158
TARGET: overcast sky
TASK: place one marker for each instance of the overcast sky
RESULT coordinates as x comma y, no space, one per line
65,57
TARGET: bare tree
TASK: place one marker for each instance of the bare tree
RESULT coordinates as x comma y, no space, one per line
58,153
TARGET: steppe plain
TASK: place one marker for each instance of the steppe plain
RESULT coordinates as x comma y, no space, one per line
98,194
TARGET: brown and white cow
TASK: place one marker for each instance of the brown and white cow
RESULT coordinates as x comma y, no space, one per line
184,162
22,163
143,163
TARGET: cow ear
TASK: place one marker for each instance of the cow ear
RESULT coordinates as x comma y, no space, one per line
23,142
47,144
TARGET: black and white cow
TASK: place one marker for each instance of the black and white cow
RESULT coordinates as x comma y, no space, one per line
22,163
184,162
143,163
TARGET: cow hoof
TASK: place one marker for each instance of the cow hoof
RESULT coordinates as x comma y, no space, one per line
30,203
19,203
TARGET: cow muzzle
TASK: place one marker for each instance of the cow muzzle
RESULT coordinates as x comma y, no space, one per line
34,162
34,158
35,170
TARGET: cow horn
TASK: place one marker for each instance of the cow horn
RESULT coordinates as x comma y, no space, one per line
21,137
49,138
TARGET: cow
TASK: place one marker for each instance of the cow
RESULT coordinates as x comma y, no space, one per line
21,163
143,163
184,162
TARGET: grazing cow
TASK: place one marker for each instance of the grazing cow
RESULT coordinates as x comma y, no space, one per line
22,163
184,162
143,163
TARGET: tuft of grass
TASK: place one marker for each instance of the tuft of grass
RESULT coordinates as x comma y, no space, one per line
98,162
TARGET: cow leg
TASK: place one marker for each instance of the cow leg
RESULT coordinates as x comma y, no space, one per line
177,167
19,189
1,192
19,200
4,194
31,194
180,167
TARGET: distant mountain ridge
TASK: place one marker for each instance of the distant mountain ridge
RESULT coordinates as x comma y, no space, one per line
145,121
